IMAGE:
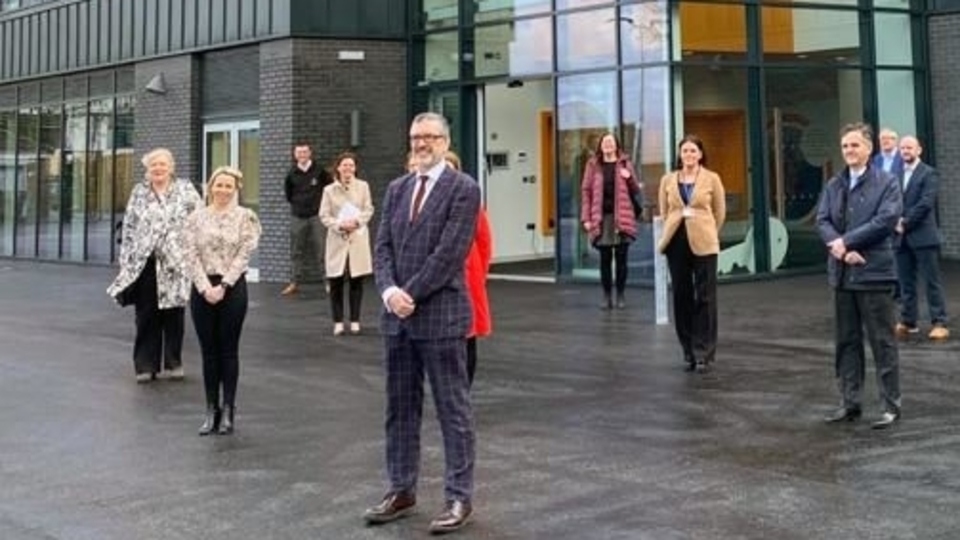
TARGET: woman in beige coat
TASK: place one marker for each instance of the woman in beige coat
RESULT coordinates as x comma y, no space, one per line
693,208
345,211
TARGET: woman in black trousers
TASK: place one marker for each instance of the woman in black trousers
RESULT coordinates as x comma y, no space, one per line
219,240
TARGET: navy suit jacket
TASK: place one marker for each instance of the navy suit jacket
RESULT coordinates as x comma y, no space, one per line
919,204
896,168
426,258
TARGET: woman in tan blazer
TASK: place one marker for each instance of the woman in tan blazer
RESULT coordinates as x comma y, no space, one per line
693,208
345,211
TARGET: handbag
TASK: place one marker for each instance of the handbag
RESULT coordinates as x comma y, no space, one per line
128,296
636,199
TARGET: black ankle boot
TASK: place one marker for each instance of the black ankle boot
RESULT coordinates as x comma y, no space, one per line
621,302
226,423
211,423
607,302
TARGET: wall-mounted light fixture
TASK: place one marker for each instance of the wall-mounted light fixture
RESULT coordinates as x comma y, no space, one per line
354,128
157,85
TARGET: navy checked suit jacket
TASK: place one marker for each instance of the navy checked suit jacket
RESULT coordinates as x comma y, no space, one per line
426,258
919,208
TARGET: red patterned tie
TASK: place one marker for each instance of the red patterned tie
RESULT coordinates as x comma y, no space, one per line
418,197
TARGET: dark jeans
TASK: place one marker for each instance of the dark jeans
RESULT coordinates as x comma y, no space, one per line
218,330
873,309
609,255
694,282
923,263
471,358
336,296
307,236
159,331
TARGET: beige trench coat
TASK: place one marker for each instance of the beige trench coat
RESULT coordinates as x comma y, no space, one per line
342,245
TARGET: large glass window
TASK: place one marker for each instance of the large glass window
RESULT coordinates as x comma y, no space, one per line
74,181
440,13
124,158
50,193
28,127
586,39
442,51
644,32
892,35
495,10
806,109
587,107
811,35
571,4
523,47
100,182
710,31
8,179
896,99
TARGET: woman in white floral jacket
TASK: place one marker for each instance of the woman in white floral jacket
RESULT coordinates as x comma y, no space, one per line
151,265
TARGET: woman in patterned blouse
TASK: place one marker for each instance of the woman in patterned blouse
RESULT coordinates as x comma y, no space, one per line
151,263
219,240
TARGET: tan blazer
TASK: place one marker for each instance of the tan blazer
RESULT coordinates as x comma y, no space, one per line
341,245
709,208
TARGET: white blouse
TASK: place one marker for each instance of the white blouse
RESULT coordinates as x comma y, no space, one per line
219,242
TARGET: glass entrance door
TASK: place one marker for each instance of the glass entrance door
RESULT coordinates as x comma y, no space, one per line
236,144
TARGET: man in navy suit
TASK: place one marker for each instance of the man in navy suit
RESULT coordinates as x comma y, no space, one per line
426,230
919,249
888,159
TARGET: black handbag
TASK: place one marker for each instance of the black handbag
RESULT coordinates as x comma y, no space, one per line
636,199
128,296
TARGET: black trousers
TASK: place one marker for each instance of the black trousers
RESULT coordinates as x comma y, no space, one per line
471,358
608,256
874,310
218,330
159,341
336,295
694,282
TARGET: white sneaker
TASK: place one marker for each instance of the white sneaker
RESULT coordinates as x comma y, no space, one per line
338,329
354,328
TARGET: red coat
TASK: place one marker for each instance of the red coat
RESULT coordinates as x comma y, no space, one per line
475,271
591,201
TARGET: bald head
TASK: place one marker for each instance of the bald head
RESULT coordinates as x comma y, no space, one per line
910,149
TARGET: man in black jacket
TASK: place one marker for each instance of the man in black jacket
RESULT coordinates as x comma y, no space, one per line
858,212
303,187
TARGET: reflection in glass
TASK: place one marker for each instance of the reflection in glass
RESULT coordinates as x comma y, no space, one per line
711,31
896,98
74,181
805,151
440,13
495,10
50,192
586,39
28,125
522,47
218,152
643,32
587,107
441,56
8,174
250,165
894,46
811,35
571,4
100,181
901,4
124,158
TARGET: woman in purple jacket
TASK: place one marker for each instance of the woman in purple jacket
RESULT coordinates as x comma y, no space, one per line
608,212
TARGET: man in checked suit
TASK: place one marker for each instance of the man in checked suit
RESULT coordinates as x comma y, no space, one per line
426,230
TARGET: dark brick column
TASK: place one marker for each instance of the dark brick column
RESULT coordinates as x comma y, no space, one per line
945,82
307,94
170,120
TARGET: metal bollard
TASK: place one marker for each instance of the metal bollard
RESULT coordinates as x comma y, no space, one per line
660,275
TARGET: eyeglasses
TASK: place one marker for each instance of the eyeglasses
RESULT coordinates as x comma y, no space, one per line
426,137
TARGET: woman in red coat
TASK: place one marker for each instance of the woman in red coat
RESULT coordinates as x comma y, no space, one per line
476,268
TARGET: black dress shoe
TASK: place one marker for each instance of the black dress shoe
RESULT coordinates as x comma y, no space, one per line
701,367
607,303
843,414
621,302
454,517
226,421
394,506
886,420
211,422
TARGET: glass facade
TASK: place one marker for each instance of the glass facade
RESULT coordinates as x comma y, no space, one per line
66,170
765,84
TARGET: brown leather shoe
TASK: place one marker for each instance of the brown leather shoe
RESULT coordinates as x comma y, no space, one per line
289,289
902,330
939,332
454,517
394,506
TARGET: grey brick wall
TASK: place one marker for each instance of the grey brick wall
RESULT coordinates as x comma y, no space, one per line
170,120
945,86
306,94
